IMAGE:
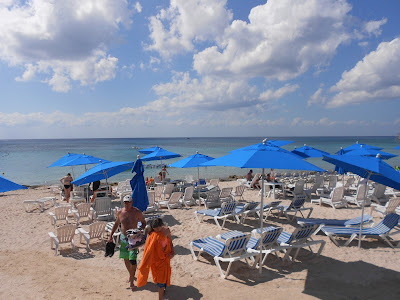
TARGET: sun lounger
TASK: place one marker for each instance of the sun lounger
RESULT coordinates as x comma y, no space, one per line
367,219
381,230
227,210
29,205
231,250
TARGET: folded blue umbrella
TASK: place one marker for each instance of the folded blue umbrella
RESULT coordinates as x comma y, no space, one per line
8,185
138,185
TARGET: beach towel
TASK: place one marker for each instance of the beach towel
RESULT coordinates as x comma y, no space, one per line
156,260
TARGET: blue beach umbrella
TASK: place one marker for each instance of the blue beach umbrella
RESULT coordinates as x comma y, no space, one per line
7,185
370,152
103,170
276,143
138,185
398,148
192,161
307,151
357,146
371,168
160,154
340,170
263,156
63,160
83,159
148,150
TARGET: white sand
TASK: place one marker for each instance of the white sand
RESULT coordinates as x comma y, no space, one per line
30,270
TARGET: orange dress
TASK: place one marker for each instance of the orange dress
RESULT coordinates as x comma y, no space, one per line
156,260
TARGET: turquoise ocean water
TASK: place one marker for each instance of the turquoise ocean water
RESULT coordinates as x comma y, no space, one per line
26,161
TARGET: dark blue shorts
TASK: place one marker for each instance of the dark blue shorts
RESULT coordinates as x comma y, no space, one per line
162,285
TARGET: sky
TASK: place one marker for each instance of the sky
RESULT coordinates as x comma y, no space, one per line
189,68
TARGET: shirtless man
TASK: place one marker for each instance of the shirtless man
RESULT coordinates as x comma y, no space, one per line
128,217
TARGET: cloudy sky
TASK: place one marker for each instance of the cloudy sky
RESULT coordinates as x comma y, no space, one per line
164,68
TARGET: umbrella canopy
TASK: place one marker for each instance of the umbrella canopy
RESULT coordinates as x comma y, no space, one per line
263,156
370,152
340,170
378,170
63,160
357,146
398,148
160,154
139,190
7,185
373,168
276,143
103,170
192,161
83,159
149,150
307,151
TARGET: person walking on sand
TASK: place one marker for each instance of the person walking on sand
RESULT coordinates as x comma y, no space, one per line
66,181
157,254
128,217
164,172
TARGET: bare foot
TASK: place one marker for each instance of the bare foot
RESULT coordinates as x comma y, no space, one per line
133,287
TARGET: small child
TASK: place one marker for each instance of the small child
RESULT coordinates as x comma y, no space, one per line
158,251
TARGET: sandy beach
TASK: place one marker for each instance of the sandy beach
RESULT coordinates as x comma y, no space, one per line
30,269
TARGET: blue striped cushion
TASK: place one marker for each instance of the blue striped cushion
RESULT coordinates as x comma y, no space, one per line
210,245
334,222
209,212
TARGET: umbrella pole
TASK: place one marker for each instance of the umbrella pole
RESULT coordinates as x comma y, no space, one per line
362,210
198,183
261,218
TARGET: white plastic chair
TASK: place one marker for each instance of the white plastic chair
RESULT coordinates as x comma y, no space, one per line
360,197
153,206
102,208
60,214
238,192
336,199
172,202
96,230
83,210
187,198
65,234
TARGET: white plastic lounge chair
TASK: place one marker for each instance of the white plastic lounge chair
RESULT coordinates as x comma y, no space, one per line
83,210
225,194
297,206
381,230
300,238
167,192
96,230
60,214
39,203
298,189
65,234
318,184
252,184
243,210
336,199
348,184
153,206
214,182
172,202
103,208
367,220
238,192
388,208
187,198
77,196
378,194
230,250
227,210
360,197
158,192
211,201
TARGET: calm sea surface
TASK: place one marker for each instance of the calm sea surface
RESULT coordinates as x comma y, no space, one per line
26,161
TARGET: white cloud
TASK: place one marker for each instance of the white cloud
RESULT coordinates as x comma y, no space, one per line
374,27
272,47
62,41
138,7
375,78
279,93
176,29
317,98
